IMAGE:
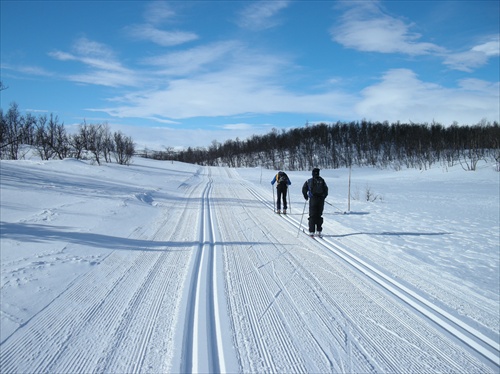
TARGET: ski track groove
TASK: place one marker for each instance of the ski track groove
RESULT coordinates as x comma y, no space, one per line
203,350
431,311
484,310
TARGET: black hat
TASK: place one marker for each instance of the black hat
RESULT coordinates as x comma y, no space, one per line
315,172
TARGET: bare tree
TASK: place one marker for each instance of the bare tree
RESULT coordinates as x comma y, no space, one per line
124,148
43,145
51,138
77,145
11,133
108,146
89,135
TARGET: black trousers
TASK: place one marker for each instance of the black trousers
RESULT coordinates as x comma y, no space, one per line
316,206
282,190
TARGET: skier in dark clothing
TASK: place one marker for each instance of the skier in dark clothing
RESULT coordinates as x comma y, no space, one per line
283,182
315,190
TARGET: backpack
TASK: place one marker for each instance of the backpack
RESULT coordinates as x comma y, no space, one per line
317,186
282,178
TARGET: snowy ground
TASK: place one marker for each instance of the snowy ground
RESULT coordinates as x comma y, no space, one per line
168,267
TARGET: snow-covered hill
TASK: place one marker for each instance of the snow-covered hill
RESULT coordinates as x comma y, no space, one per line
170,267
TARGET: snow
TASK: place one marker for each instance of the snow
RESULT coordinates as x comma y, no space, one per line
170,267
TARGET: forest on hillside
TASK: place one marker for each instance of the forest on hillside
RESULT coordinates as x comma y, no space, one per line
362,143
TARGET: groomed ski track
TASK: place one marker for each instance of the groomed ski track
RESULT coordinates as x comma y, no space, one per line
236,289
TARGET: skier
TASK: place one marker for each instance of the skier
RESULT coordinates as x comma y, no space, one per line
316,190
281,188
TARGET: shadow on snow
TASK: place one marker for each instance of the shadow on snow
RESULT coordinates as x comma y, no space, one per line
390,233
43,233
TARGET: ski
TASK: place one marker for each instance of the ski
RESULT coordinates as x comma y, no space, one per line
313,236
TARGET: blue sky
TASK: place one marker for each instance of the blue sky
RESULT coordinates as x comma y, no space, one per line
185,73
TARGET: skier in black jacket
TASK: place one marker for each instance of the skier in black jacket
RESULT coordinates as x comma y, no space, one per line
316,190
283,182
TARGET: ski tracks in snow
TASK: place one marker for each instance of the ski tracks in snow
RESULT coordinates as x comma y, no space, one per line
232,290
121,316
204,347
298,307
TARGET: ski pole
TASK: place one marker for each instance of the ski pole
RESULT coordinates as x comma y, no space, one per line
289,200
334,207
274,200
303,211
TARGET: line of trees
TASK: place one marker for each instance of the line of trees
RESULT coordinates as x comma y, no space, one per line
50,139
362,143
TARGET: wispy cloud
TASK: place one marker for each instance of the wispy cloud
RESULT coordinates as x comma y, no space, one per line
476,56
365,27
27,69
236,90
401,95
102,66
29,110
237,126
161,37
156,137
261,15
157,13
194,60
219,79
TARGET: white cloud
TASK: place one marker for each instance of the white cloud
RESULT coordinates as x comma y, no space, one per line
103,68
401,96
62,56
249,83
27,69
29,110
476,57
103,78
490,48
365,27
261,15
237,126
91,48
193,60
238,89
157,138
157,12
225,79
161,37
